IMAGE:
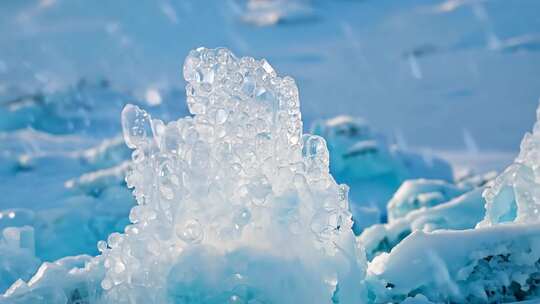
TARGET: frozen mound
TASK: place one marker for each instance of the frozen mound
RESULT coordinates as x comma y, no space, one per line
462,212
225,198
514,196
232,193
421,193
499,264
373,168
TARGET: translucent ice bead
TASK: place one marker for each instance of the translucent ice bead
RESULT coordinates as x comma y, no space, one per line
136,126
191,232
315,148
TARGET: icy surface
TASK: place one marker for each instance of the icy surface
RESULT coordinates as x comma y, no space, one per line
486,265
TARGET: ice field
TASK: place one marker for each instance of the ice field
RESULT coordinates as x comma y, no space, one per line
397,163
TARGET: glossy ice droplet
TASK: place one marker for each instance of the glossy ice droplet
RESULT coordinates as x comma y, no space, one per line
191,232
136,126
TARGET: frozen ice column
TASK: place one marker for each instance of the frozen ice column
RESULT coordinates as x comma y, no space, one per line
238,187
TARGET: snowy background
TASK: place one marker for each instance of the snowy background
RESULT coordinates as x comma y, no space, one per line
426,71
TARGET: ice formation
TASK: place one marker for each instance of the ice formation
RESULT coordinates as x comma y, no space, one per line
514,196
229,194
72,279
462,212
498,261
487,265
420,193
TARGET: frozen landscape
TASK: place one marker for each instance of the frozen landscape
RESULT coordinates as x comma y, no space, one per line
387,168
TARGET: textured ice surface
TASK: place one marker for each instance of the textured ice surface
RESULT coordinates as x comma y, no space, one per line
514,196
485,265
462,212
371,166
67,280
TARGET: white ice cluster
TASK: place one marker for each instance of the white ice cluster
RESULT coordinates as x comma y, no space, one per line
514,196
234,203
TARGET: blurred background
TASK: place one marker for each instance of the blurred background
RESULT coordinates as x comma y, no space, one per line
455,79
430,71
